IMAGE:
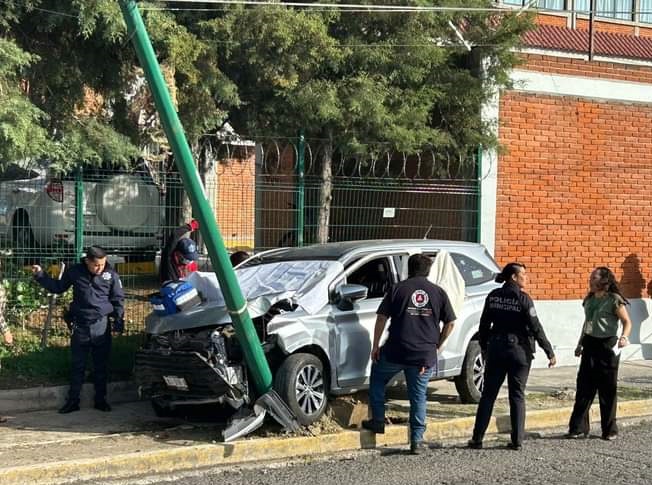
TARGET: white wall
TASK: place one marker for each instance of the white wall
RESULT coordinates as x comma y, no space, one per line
562,321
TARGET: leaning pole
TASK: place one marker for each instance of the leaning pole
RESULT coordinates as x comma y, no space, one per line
235,302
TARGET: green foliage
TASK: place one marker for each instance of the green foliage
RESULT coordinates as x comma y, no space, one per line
21,133
24,296
366,78
26,365
93,142
358,78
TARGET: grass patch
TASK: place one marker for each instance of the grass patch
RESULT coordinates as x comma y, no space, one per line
26,365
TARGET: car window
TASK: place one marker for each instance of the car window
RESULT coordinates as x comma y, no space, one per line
473,272
376,275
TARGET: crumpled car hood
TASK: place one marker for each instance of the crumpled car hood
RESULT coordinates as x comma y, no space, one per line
303,283
208,314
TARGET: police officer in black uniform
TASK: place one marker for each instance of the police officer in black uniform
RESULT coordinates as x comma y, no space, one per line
508,328
97,295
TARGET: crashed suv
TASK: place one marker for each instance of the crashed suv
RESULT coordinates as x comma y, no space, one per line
314,311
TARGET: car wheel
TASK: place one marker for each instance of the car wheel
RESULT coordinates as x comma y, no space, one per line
470,382
300,382
23,241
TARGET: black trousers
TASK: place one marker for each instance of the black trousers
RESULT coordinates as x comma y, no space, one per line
93,338
598,373
505,357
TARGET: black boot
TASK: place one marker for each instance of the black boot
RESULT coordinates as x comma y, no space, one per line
377,427
69,407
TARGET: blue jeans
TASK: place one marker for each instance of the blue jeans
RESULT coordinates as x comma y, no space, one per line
382,372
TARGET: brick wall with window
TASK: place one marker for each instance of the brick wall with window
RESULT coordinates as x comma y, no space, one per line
574,185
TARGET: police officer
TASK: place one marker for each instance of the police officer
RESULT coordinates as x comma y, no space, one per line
508,328
97,294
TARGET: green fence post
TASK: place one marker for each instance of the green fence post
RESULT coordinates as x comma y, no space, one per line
301,187
478,234
235,302
79,214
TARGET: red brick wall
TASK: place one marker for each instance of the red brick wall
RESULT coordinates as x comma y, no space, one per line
556,20
574,188
614,28
235,201
580,67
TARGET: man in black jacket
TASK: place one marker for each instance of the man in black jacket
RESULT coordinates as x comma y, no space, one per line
97,295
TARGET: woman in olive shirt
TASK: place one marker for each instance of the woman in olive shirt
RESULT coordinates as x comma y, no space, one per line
604,308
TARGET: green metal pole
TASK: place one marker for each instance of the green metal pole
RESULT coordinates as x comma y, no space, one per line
301,195
478,234
235,302
79,214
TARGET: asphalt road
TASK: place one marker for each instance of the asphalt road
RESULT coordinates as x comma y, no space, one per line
548,459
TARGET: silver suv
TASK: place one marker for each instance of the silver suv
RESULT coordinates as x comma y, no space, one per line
122,210
314,310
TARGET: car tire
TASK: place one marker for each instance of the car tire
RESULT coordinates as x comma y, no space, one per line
470,382
23,240
301,383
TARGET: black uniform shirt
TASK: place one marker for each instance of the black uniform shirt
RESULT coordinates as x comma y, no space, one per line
415,307
509,310
93,296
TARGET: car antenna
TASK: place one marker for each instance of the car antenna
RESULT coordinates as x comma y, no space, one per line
425,236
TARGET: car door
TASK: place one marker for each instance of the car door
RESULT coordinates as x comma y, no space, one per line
354,328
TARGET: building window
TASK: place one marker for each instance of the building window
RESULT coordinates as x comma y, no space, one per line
551,4
646,11
543,4
615,9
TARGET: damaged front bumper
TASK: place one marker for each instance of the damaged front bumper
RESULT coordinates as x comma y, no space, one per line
186,377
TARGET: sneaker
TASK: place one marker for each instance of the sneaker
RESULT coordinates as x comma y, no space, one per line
103,406
610,437
69,407
374,426
576,436
514,446
475,445
417,447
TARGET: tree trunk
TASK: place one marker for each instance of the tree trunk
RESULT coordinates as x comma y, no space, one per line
326,195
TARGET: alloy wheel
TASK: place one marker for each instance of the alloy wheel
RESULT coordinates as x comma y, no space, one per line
478,372
309,389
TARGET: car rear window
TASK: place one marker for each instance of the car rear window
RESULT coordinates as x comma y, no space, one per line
473,272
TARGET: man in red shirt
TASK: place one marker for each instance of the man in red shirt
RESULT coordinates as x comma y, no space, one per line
179,256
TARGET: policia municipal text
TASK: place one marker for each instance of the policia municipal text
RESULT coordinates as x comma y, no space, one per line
508,328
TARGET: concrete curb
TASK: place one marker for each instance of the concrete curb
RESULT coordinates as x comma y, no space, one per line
256,450
44,398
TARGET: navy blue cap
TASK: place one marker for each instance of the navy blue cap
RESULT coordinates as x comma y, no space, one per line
188,249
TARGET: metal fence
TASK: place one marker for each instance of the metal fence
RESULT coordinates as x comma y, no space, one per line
265,195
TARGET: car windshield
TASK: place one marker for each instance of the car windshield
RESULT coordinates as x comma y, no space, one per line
303,279
281,276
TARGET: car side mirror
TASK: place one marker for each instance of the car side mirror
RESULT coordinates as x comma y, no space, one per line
348,294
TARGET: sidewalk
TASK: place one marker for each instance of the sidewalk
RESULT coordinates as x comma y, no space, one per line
46,447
